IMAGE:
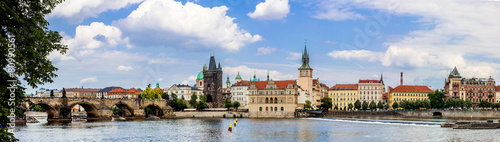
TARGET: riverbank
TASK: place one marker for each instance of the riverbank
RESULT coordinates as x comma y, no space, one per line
36,114
206,114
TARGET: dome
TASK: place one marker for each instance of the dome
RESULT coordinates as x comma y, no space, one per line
238,76
200,75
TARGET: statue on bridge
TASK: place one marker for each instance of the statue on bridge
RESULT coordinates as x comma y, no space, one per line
64,93
52,93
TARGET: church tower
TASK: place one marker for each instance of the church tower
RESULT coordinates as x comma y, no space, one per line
306,75
228,83
212,84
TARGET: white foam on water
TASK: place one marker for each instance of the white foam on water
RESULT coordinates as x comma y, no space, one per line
381,122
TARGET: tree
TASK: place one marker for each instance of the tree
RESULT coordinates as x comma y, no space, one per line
326,103
180,104
336,107
365,105
372,105
228,104
350,106
484,104
380,105
395,105
308,105
468,103
25,43
192,102
203,98
236,104
117,111
357,104
427,103
165,96
38,108
148,93
201,105
437,99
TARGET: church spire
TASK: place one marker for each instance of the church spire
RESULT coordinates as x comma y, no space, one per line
268,75
305,59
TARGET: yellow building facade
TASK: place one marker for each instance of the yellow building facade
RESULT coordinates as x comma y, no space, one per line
272,99
343,94
408,93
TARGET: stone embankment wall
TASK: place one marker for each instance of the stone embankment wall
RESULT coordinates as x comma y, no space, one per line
208,114
35,113
454,113
360,113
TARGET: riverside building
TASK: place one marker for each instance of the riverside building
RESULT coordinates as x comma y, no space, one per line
343,94
475,89
272,99
408,93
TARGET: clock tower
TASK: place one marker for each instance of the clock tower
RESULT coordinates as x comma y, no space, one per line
306,76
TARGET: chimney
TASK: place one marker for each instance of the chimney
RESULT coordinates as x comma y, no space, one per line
401,78
82,87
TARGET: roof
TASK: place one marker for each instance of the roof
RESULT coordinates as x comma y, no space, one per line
238,76
384,96
369,81
281,84
82,89
345,87
242,83
412,88
497,88
107,89
455,73
200,75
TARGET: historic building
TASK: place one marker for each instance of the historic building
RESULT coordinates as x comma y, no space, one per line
120,93
320,90
497,93
212,85
82,92
272,99
199,79
103,93
343,94
371,90
408,93
475,89
239,92
183,91
305,80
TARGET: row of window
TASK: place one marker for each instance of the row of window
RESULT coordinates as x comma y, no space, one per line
372,87
270,100
408,99
272,92
271,108
413,95
348,94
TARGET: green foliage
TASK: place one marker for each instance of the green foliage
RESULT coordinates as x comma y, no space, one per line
117,111
192,102
372,105
234,115
201,105
241,115
177,104
32,44
468,103
38,108
165,96
336,108
380,105
148,111
308,105
224,116
151,93
357,105
203,98
236,104
484,104
395,105
437,99
326,103
228,104
365,105
350,106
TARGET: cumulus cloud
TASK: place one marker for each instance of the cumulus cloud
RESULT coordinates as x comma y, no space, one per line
335,10
191,80
189,26
247,73
89,80
124,68
457,36
271,10
77,10
265,50
294,56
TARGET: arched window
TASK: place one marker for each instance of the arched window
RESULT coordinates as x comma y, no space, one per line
267,109
282,109
271,108
275,100
260,108
275,108
267,100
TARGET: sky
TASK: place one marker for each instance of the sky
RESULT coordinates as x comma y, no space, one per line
133,43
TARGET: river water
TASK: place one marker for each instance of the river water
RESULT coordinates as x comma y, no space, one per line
303,129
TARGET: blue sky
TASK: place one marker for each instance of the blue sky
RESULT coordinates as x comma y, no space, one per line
131,43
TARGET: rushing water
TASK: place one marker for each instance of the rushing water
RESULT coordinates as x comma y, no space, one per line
306,129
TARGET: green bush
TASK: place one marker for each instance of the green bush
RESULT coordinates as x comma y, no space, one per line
234,115
224,116
241,115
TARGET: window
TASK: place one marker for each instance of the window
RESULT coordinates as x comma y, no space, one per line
260,108
275,108
267,109
282,109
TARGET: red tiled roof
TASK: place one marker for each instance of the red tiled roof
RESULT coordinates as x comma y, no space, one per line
315,81
280,84
497,88
242,83
412,88
82,89
369,81
384,96
121,91
345,87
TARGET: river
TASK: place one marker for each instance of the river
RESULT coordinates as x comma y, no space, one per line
303,129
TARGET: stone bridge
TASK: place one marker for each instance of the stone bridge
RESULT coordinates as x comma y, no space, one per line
59,109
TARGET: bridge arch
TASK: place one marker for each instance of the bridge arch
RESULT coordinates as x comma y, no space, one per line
126,109
89,108
155,110
51,111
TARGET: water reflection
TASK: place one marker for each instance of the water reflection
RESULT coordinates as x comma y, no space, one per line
388,129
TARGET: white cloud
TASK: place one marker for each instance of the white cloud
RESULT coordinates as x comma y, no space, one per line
247,73
265,50
458,34
335,10
124,68
191,80
294,56
271,10
331,42
77,10
89,80
189,26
